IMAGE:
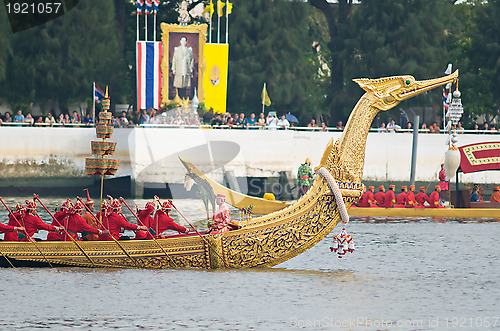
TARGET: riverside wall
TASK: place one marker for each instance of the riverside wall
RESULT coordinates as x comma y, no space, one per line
33,157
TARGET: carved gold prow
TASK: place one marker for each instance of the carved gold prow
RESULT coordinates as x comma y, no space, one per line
347,155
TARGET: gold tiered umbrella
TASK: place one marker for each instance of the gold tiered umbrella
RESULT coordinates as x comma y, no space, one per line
100,164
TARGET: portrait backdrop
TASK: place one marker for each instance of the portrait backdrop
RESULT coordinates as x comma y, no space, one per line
187,62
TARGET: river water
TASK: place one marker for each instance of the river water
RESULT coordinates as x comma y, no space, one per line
421,274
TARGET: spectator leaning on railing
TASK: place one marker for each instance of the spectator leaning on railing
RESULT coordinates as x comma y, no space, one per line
392,126
7,118
382,128
261,122
75,118
19,117
50,119
283,122
29,119
88,120
251,122
434,128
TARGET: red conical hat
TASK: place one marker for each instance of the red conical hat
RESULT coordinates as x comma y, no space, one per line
89,200
79,206
150,205
30,205
116,204
20,208
66,205
166,205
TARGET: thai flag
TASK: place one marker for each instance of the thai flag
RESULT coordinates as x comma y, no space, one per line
446,102
157,4
149,77
98,94
149,4
140,4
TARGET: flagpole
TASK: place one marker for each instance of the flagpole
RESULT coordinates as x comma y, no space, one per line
154,26
137,27
263,97
146,24
218,21
227,22
210,27
93,102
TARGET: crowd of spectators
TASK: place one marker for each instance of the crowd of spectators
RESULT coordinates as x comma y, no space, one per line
188,117
434,128
62,120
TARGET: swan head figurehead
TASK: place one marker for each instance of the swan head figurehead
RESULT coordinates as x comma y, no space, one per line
386,93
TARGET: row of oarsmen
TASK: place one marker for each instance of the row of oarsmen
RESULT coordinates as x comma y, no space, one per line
405,199
70,221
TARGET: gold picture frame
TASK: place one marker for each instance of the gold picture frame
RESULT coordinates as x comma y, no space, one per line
196,36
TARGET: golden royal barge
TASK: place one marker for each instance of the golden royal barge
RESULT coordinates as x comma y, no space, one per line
266,240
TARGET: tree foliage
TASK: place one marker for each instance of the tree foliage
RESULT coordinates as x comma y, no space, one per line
59,60
271,42
385,38
480,58
5,33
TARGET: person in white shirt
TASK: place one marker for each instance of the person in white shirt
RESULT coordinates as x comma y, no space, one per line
271,121
283,122
392,126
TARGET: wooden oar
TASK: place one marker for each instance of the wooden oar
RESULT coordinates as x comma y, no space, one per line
35,197
199,234
26,232
156,241
100,223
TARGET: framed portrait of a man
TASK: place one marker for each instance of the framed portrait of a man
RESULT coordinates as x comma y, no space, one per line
183,63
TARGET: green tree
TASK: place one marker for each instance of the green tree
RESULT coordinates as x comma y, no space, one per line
402,37
59,60
480,45
384,38
5,34
271,41
338,19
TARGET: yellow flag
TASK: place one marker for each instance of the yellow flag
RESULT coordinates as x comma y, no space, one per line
215,78
220,5
229,8
209,8
265,97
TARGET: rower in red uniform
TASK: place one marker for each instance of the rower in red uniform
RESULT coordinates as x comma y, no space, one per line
367,199
15,220
59,217
34,223
371,195
421,197
12,229
363,200
75,223
163,222
89,218
380,196
389,197
114,222
401,198
434,198
410,201
495,197
146,219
